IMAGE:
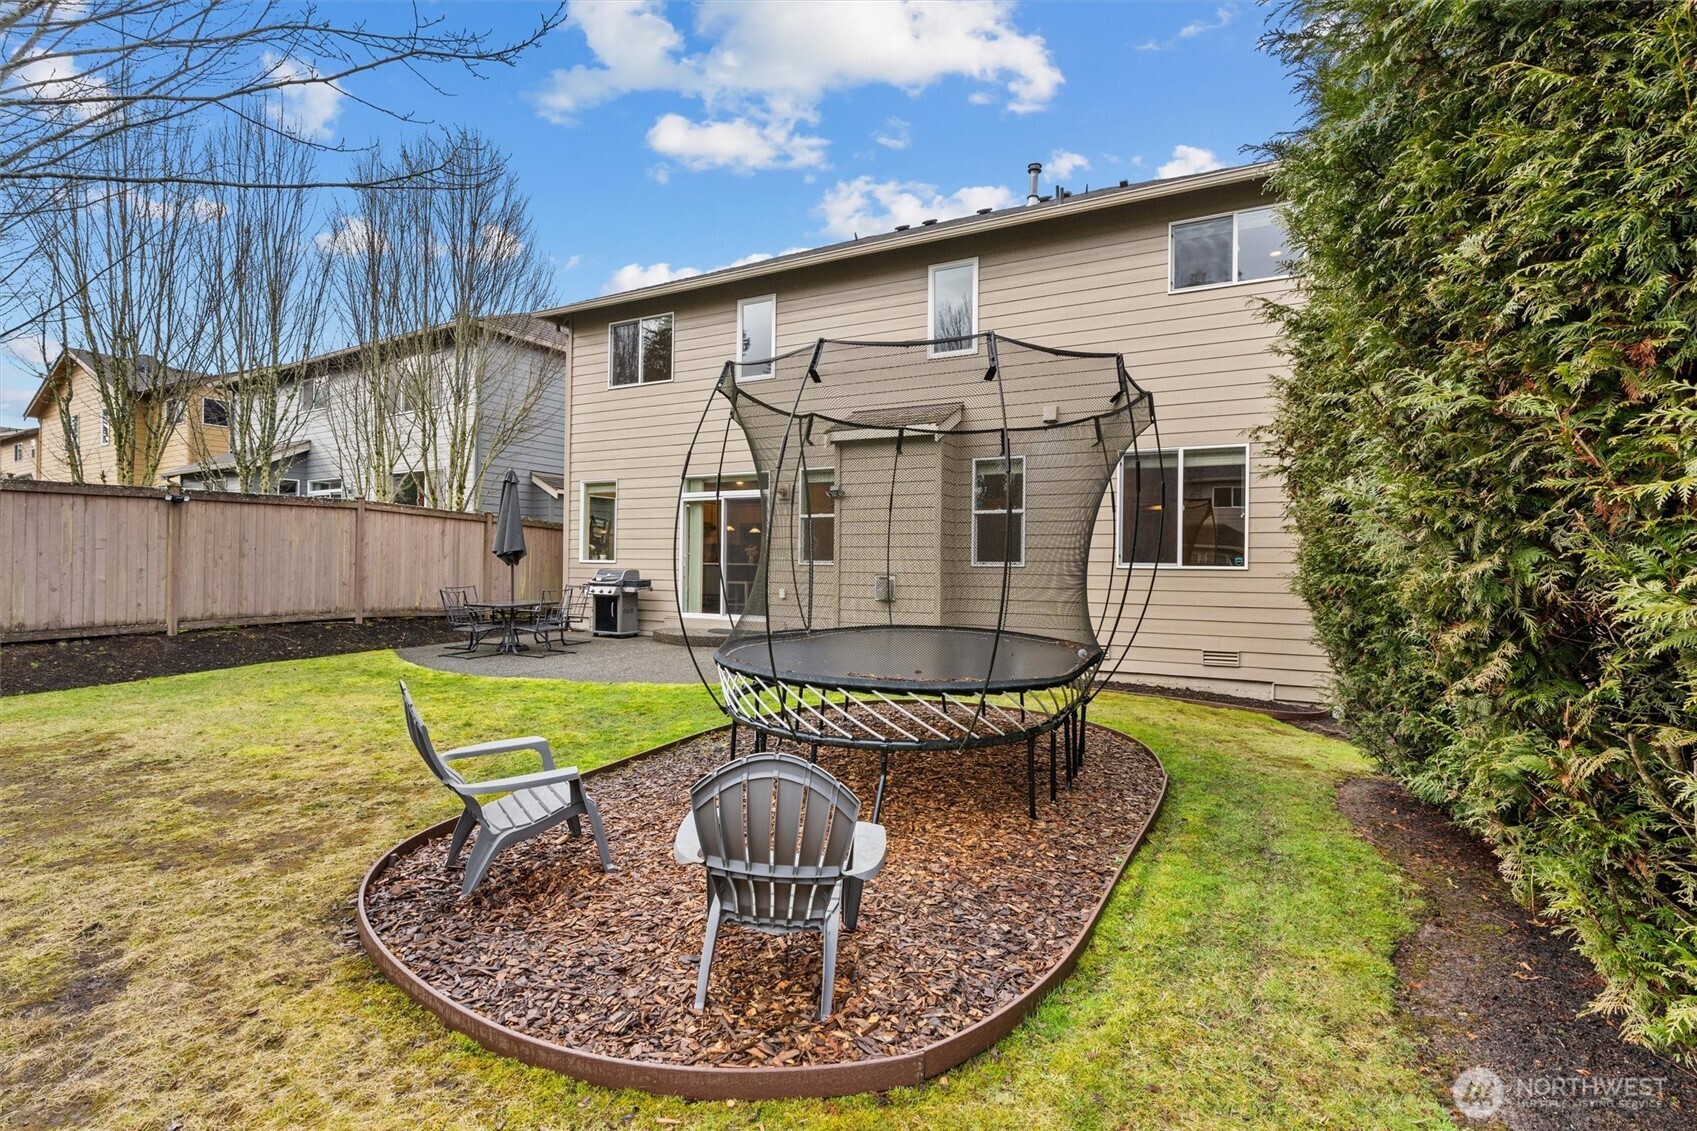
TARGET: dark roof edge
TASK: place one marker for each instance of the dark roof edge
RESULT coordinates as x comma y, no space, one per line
913,237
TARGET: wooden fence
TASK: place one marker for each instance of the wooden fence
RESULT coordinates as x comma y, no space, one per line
89,561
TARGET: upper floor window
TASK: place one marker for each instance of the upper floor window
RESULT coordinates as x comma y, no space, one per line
1187,507
1240,247
17,453
757,336
819,517
76,428
639,352
214,412
105,427
954,307
998,511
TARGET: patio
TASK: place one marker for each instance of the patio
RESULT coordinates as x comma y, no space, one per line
585,658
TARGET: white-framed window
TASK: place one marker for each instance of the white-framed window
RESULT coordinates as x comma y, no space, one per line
1236,247
1186,507
288,486
998,511
214,412
600,522
76,429
408,489
17,453
639,352
325,489
176,411
952,307
817,541
757,336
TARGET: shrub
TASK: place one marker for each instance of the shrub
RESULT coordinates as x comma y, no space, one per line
1489,435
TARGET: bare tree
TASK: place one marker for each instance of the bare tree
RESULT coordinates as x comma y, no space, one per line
434,282
267,282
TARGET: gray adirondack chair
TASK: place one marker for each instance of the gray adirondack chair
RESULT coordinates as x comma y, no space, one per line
783,853
534,803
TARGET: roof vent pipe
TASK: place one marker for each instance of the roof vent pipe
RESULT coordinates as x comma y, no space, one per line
1036,171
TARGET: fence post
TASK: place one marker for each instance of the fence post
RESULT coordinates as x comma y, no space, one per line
359,561
173,564
488,589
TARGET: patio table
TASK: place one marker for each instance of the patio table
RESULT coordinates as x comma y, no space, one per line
507,612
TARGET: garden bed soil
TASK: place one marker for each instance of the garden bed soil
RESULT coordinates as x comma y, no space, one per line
1488,983
975,904
58,665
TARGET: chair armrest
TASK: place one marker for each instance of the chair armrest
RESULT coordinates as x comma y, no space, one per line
504,746
866,857
686,849
522,781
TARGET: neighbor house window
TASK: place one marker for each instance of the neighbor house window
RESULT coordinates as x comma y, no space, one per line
1237,248
639,352
325,488
757,336
214,412
176,411
288,486
409,489
17,453
320,395
105,428
600,515
998,511
1187,507
954,307
76,429
819,518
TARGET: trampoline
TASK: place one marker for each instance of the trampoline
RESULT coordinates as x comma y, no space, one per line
902,537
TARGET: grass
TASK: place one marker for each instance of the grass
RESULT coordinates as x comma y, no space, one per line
175,934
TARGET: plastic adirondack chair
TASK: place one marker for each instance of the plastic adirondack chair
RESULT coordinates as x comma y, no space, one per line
534,803
783,852
462,617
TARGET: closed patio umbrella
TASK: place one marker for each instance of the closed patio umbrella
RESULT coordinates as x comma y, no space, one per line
509,531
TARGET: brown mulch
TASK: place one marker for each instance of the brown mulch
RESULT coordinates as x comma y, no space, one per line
57,665
1488,983
975,904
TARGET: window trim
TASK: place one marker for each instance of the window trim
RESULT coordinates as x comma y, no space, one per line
1123,497
205,423
639,383
583,521
804,516
685,498
1025,487
313,491
931,307
736,349
1234,281
105,428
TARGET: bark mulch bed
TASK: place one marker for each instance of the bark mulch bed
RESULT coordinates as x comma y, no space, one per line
976,903
57,665
1490,984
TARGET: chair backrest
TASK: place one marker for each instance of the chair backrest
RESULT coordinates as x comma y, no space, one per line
456,602
775,833
420,735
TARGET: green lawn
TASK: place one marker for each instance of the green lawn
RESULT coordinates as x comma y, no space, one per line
180,857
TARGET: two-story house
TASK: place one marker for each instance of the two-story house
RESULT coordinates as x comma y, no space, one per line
1170,273
19,450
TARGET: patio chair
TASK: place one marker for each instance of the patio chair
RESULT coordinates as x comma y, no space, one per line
783,852
554,614
462,618
534,803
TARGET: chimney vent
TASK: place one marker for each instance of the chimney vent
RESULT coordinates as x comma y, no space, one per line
1036,171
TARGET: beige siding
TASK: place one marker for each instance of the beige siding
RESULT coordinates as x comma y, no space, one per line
1097,281
188,442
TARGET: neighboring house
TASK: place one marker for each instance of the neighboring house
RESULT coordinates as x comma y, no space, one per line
1170,273
19,451
528,359
68,409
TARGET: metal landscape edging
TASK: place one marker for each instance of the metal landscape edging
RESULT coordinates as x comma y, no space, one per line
875,1074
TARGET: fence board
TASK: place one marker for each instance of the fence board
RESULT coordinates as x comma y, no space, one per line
85,560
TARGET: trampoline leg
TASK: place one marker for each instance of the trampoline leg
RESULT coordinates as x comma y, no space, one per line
1083,720
1031,774
1052,742
883,775
733,738
813,753
760,742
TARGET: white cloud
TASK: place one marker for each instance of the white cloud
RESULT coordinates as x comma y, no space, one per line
571,264
893,134
1222,17
352,235
981,98
762,69
309,108
739,144
56,80
1063,163
1188,159
496,243
865,207
634,275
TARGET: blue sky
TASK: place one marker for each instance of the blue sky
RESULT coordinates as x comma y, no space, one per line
656,138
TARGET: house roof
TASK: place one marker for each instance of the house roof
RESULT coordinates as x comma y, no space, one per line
147,374
1073,204
228,463
13,435
520,327
550,482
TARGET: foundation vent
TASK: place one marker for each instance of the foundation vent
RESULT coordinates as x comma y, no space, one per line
1213,659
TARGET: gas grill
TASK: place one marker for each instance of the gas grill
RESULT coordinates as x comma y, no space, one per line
614,593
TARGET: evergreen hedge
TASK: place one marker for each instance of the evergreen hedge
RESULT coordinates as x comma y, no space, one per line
1489,436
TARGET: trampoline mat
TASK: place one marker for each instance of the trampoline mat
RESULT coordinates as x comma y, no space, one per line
910,658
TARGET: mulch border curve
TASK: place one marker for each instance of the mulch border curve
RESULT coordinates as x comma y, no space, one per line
875,1074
